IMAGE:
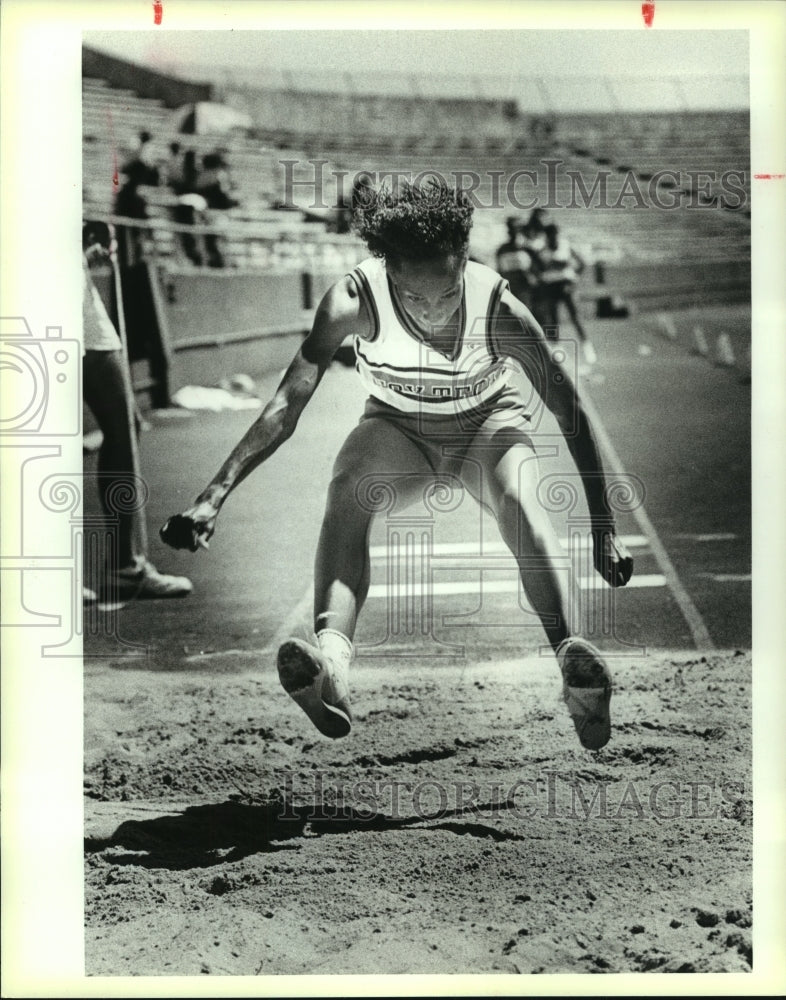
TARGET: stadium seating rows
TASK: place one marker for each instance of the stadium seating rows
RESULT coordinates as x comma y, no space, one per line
710,142
622,146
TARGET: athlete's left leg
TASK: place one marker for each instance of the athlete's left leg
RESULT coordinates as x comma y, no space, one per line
500,469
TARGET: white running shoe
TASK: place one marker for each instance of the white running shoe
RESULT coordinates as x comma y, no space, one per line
318,684
589,353
142,582
586,690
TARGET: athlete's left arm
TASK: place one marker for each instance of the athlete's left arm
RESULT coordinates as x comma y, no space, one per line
518,336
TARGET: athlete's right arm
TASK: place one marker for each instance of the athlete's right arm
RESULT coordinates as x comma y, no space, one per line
340,314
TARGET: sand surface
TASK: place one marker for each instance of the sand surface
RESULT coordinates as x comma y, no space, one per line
460,828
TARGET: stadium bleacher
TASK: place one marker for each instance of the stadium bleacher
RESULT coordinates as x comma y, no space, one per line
712,142
642,145
696,251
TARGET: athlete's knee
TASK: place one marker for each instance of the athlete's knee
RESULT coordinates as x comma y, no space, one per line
529,528
354,491
342,486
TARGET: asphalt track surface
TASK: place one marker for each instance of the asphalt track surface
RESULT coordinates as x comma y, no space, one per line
678,425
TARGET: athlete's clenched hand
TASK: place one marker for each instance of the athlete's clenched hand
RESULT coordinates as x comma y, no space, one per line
612,560
192,529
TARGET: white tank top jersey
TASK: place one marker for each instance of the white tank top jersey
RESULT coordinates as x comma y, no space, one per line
401,369
558,264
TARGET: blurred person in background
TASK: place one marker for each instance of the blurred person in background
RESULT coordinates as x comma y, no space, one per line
534,242
139,171
560,267
106,383
516,264
173,170
213,185
534,230
190,171
190,208
190,211
213,182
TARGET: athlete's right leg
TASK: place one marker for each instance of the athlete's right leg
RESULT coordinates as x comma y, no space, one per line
378,466
500,470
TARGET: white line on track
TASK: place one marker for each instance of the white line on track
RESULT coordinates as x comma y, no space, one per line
407,590
724,536
500,562
699,631
728,577
472,549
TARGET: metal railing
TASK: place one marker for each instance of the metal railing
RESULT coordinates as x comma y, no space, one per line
275,247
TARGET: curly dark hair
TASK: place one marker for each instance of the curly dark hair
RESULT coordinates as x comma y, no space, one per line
415,221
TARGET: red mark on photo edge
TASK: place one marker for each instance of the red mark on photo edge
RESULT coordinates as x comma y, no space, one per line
158,11
648,13
769,177
116,174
